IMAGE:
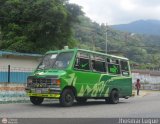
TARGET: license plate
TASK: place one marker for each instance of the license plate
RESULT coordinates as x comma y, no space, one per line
44,90
38,91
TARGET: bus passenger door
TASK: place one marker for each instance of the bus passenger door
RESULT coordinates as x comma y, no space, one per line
85,78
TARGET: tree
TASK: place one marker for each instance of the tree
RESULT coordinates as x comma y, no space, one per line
37,25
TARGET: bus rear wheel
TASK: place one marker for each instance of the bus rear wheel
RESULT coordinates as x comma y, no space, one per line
81,100
67,98
36,100
114,97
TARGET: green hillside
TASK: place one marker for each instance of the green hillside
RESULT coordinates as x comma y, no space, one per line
142,50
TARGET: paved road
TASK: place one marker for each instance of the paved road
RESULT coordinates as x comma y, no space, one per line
143,106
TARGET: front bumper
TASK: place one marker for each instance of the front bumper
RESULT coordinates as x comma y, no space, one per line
44,95
43,92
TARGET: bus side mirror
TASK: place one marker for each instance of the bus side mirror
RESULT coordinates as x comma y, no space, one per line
41,66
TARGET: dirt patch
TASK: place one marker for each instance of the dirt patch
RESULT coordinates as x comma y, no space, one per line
13,88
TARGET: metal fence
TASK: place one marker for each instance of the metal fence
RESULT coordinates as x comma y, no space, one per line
149,86
146,76
12,83
14,74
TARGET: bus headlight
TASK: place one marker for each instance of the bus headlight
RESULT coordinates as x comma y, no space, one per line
29,81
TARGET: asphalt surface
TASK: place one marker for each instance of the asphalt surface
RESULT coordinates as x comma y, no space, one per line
144,106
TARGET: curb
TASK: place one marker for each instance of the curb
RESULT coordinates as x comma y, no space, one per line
142,93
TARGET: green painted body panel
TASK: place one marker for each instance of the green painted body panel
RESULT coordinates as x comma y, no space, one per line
89,83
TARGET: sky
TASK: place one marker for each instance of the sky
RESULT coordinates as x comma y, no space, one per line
120,11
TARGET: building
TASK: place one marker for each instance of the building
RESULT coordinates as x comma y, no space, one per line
20,65
21,60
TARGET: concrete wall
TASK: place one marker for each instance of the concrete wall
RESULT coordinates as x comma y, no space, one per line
146,78
19,61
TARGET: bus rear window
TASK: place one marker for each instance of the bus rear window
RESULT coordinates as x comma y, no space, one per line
124,68
124,65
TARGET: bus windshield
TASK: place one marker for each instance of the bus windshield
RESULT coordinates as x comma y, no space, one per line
56,61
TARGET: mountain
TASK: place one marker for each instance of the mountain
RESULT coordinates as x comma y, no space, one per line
149,27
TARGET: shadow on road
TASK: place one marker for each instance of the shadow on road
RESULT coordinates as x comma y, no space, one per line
56,104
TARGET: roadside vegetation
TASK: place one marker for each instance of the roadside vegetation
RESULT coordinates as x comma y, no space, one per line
36,26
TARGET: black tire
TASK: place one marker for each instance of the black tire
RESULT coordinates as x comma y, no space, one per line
67,98
81,100
114,97
36,100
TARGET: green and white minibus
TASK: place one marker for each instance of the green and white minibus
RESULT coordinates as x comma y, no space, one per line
78,74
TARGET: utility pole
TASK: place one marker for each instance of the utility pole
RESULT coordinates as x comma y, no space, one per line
106,38
93,41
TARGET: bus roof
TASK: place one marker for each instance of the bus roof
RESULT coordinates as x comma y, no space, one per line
89,51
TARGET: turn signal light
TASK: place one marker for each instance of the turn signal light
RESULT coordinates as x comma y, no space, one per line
58,82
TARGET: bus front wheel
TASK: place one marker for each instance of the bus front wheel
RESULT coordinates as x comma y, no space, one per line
36,100
67,98
114,97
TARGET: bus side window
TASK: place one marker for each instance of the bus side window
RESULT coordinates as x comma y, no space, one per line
98,66
113,66
82,63
117,61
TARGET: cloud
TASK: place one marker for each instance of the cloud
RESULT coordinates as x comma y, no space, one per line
120,11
